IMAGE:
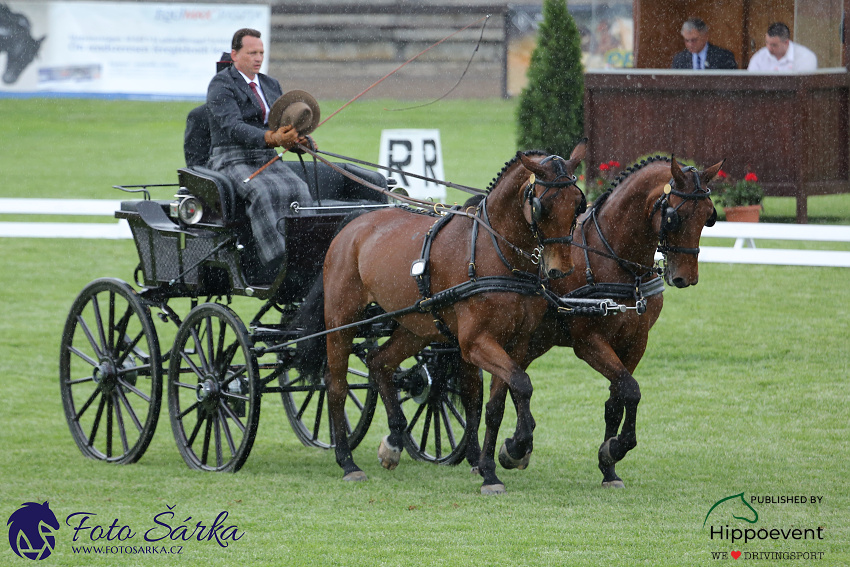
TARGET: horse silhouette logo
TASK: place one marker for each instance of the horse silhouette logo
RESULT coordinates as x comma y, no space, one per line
17,41
31,530
734,507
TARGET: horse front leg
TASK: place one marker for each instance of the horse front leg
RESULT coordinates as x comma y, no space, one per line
621,407
507,374
625,395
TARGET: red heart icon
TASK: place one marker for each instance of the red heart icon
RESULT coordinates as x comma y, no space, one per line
735,554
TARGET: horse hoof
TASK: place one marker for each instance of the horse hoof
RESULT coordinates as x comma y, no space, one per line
509,462
605,458
489,489
614,484
388,455
356,476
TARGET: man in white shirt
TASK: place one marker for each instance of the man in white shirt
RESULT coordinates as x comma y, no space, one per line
782,54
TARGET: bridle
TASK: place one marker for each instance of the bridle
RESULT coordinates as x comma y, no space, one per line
671,221
537,214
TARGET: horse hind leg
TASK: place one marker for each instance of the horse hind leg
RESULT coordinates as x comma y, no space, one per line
339,349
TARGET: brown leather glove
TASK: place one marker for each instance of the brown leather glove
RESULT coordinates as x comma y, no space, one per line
284,137
308,142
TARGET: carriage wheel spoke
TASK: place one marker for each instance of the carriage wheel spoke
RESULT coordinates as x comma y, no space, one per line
118,331
219,450
110,345
222,358
234,417
119,418
129,348
205,453
306,403
228,436
320,405
97,420
125,384
425,428
123,397
448,426
438,438
87,404
198,372
201,419
415,417
109,426
87,331
353,397
100,331
207,333
199,351
83,356
455,413
79,381
236,374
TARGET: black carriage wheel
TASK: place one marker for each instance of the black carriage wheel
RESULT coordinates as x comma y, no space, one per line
213,389
110,372
430,399
305,400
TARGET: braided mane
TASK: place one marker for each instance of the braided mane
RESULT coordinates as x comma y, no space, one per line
626,173
512,161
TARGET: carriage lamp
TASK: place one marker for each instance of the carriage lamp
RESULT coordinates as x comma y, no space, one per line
190,210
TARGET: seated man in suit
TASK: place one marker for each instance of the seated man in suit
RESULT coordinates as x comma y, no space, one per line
782,54
239,101
698,53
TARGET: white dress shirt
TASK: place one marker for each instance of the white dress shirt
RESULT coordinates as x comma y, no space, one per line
256,81
797,58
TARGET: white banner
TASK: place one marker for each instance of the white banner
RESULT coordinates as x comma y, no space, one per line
414,151
125,49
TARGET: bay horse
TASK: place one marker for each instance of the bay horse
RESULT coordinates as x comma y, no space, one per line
527,216
654,205
17,41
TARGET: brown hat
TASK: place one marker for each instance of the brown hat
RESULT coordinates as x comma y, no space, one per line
296,108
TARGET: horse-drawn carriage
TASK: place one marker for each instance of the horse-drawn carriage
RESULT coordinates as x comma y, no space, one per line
217,368
198,246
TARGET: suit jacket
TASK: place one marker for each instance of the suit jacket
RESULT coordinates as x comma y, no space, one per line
715,58
235,116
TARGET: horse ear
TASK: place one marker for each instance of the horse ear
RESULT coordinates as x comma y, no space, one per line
579,151
676,172
709,174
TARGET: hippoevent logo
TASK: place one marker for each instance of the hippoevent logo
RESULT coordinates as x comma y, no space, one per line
31,530
735,520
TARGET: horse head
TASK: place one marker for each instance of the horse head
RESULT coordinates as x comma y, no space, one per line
685,207
19,44
551,203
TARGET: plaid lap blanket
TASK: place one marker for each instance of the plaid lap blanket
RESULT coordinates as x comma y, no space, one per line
267,196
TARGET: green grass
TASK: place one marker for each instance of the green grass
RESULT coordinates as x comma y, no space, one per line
744,389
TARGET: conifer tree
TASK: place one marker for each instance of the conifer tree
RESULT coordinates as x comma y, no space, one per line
550,113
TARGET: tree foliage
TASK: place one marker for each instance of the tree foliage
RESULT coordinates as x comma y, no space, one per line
550,114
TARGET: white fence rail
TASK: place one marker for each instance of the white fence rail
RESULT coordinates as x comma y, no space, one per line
744,251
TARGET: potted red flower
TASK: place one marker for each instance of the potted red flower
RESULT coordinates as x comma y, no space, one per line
741,200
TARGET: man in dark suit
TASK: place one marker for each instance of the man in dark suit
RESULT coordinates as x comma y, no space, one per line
698,53
239,100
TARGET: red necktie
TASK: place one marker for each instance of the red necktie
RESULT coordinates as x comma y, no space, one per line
253,86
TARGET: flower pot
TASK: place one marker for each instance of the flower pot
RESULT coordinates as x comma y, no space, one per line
747,213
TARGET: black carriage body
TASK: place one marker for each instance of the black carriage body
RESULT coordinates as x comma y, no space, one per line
218,255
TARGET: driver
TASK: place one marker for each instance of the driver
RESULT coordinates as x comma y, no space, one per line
239,101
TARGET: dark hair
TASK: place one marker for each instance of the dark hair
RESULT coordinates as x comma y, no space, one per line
778,29
236,44
695,24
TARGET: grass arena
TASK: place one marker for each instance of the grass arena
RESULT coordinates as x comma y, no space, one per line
744,410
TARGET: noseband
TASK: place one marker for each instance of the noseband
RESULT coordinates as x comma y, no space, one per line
670,219
536,203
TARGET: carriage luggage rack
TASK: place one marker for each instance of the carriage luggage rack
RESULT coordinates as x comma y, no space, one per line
143,188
